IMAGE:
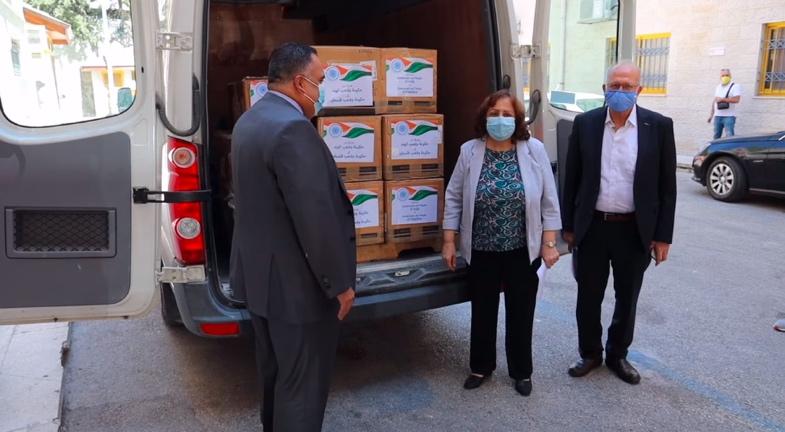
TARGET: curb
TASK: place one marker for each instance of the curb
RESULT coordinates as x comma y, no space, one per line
683,163
31,376
65,350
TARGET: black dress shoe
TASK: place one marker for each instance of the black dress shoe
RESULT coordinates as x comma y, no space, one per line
524,387
624,370
473,381
583,366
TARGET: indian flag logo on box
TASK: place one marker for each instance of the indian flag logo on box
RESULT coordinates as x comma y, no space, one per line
413,127
346,130
348,72
418,193
408,65
362,196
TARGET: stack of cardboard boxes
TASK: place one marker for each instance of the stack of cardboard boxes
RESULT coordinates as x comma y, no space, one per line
380,121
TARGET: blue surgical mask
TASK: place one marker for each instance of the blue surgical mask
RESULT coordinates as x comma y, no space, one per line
317,104
620,100
500,128
320,102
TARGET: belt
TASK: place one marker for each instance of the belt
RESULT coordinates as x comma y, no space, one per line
615,217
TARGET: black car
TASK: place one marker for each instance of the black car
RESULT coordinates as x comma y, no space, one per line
734,166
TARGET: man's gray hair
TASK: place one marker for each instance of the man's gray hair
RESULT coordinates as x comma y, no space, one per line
613,69
289,60
725,70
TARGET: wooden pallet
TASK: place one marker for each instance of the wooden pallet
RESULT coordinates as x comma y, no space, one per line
390,251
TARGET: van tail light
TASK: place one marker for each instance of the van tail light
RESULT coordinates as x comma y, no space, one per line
187,221
221,329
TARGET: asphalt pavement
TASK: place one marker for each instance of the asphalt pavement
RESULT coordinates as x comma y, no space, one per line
704,345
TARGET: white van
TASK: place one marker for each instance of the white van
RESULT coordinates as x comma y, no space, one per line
86,235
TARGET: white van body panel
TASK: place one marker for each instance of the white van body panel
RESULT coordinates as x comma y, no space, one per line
76,171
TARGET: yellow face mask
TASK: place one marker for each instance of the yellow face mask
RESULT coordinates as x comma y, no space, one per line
725,80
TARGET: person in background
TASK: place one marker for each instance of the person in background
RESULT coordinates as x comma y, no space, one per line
502,200
619,207
293,257
723,109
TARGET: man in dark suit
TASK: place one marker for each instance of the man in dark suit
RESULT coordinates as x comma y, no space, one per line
619,207
293,251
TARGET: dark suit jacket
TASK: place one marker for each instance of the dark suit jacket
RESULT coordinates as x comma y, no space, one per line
654,186
293,247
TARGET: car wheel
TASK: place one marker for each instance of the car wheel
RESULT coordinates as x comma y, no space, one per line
726,180
169,312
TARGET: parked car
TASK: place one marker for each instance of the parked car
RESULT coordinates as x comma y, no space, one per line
575,101
732,167
571,101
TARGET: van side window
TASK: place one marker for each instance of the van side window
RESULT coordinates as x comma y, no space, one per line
58,68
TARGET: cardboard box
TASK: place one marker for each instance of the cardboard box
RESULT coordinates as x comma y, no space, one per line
368,203
352,83
410,80
246,93
356,145
413,146
415,209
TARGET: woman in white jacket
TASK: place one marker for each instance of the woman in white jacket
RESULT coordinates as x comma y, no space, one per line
502,200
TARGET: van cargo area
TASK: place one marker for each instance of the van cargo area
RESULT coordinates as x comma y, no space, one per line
241,38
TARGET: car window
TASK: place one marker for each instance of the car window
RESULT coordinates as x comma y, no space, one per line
589,104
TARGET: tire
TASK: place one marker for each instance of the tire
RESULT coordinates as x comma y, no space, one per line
726,180
169,312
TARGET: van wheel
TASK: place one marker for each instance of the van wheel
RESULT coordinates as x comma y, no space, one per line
169,312
726,180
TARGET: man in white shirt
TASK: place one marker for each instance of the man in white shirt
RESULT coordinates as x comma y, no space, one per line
618,210
723,109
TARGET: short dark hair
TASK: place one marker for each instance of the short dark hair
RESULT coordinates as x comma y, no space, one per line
289,60
521,128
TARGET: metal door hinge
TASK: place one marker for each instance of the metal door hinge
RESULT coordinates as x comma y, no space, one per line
181,274
524,51
174,41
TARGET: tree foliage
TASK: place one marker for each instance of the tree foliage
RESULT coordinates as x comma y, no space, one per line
87,24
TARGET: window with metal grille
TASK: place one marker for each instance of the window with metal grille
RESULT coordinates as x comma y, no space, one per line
651,56
772,70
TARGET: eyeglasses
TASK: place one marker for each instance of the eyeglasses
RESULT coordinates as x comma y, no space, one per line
625,87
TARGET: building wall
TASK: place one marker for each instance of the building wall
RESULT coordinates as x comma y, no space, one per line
705,36
103,103
697,28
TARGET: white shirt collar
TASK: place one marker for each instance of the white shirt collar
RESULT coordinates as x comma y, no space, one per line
632,119
288,99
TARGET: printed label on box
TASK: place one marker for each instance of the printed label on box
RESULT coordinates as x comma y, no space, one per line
415,139
348,85
257,91
409,77
350,142
366,208
414,205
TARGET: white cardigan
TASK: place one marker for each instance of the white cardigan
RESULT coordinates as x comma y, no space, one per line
542,200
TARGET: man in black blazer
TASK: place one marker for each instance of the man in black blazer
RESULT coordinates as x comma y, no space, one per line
619,208
293,255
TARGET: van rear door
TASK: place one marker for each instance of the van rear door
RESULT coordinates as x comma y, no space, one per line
74,244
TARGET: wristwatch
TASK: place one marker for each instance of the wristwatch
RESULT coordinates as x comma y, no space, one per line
549,244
